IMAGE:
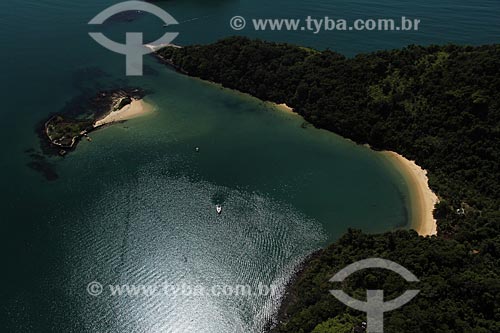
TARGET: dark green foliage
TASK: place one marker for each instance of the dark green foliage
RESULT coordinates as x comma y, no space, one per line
437,105
459,285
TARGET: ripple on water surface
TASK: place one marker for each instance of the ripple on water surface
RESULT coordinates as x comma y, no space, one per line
161,229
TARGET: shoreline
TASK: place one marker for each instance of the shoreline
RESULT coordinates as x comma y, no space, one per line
285,107
62,132
422,199
136,108
288,297
155,48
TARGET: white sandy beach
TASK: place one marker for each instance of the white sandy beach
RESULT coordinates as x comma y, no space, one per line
135,109
421,196
155,48
285,107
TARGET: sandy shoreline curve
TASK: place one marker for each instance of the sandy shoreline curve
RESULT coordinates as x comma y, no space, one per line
135,109
422,198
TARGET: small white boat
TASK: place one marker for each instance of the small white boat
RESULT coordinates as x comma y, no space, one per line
218,209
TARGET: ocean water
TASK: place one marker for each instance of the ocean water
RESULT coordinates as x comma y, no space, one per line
136,205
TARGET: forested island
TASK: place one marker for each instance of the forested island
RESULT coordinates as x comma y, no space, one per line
437,105
61,132
64,130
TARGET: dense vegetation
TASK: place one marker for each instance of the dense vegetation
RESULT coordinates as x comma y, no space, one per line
438,105
64,129
459,286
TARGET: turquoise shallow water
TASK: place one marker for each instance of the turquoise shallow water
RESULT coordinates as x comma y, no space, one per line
136,204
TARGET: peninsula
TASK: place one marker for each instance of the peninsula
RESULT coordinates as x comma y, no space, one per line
437,106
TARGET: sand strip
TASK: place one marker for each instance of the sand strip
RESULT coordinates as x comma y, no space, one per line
422,199
421,196
135,109
157,47
284,107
